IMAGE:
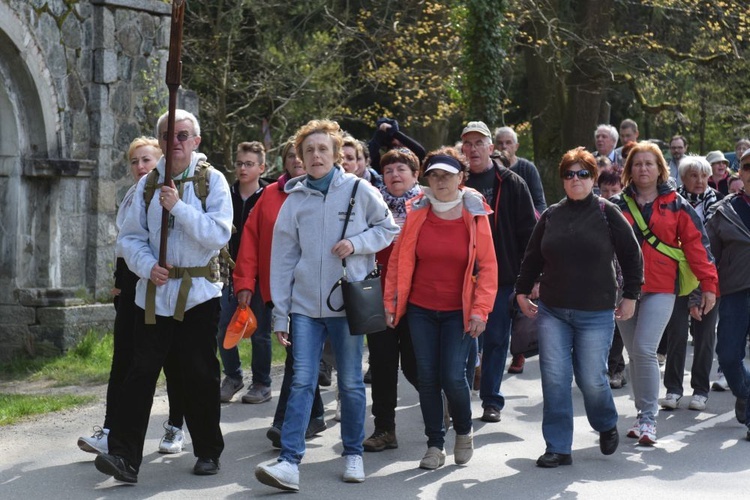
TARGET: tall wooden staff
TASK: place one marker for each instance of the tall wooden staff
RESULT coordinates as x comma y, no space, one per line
174,77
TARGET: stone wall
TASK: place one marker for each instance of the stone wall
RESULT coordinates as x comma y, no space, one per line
82,79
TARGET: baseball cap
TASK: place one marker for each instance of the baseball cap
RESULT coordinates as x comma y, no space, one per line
480,127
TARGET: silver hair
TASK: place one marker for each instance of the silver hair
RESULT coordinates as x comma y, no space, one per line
609,128
692,163
507,130
179,116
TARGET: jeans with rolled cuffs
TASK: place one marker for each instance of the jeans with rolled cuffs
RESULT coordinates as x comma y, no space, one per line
731,342
641,335
309,336
441,348
574,342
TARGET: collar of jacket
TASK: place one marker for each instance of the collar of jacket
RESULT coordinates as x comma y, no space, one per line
298,184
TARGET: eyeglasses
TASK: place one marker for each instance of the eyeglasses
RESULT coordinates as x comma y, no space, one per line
244,164
181,136
476,145
581,174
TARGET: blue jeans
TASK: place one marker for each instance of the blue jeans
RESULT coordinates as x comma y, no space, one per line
261,339
309,336
574,342
734,315
441,348
496,340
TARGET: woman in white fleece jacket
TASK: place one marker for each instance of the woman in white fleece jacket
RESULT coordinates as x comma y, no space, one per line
305,263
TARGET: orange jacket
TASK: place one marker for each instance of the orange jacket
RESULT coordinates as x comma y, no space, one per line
480,278
254,256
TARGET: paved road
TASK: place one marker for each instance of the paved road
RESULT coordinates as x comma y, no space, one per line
700,455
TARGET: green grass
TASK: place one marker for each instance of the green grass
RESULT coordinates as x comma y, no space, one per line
14,407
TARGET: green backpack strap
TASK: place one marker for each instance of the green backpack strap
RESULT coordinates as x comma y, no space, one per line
152,184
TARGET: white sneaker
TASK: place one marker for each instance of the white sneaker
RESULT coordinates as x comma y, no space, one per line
698,403
721,384
354,472
173,439
97,443
282,475
670,402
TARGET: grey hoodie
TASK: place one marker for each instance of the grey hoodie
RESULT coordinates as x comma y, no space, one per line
730,245
303,268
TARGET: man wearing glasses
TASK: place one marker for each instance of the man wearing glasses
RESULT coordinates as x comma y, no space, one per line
248,167
512,223
177,305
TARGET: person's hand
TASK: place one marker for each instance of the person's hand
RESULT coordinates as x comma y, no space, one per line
283,338
115,292
343,249
159,275
534,291
527,307
384,127
168,197
708,301
695,313
476,326
244,296
625,310
390,319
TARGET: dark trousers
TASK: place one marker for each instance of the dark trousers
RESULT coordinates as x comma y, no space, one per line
190,347
124,347
318,409
386,348
616,361
704,337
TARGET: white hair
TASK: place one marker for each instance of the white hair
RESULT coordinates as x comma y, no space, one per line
692,163
610,129
179,116
507,130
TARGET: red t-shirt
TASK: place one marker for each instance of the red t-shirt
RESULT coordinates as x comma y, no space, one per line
442,257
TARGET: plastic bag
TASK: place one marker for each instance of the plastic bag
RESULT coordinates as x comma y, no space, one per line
242,325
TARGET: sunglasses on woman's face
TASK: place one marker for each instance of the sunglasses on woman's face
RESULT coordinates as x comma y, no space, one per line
581,174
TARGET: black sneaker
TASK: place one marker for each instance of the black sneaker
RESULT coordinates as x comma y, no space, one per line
274,434
117,467
552,460
315,427
608,441
206,467
740,410
367,378
325,372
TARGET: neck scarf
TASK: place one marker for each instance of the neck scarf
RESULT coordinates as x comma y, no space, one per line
701,201
397,204
442,206
321,184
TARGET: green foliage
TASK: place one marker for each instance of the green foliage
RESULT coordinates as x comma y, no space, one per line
14,407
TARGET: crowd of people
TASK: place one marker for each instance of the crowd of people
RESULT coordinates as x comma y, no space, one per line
630,260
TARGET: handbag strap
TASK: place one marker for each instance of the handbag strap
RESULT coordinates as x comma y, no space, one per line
653,240
343,233
346,220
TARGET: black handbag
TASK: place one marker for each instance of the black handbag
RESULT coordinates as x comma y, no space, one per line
363,300
523,336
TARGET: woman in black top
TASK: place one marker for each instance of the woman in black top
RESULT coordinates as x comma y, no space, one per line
571,253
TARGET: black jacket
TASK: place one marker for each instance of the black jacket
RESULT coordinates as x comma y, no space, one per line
512,222
242,209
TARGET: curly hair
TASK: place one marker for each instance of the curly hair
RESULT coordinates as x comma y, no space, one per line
329,127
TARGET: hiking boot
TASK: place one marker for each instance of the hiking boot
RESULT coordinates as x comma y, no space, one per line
516,366
173,439
617,380
552,460
206,467
274,434
258,393
325,372
463,450
491,414
381,440
282,475
698,403
608,441
97,443
117,467
432,459
229,387
670,402
354,471
740,410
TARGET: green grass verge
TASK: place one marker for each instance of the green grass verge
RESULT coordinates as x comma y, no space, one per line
14,407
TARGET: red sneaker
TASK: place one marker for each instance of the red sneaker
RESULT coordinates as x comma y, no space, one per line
516,365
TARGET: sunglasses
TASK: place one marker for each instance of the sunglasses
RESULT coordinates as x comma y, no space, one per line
581,174
181,136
